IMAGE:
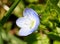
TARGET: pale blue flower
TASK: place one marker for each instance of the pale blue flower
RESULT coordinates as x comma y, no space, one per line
28,23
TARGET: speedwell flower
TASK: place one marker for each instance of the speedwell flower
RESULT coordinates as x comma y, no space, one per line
28,23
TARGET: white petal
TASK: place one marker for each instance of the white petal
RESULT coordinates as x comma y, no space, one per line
24,32
19,22
24,22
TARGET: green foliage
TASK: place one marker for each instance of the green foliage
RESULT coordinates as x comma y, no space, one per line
48,31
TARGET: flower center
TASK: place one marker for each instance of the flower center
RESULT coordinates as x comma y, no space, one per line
32,24
29,22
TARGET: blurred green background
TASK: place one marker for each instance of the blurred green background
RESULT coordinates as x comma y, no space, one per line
48,31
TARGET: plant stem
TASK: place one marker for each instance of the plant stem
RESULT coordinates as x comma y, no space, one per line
5,18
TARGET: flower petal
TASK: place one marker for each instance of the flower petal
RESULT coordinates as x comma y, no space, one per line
24,32
30,12
24,22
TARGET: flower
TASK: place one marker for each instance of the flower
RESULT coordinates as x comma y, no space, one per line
28,23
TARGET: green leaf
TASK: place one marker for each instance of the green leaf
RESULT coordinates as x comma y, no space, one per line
19,9
31,1
58,4
37,38
54,2
4,35
15,40
1,40
53,36
56,42
58,30
39,8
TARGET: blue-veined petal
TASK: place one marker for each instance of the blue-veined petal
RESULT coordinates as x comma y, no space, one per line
24,31
29,12
23,22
